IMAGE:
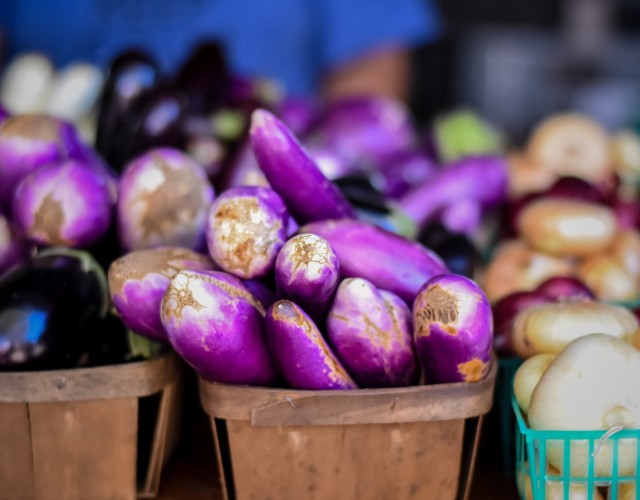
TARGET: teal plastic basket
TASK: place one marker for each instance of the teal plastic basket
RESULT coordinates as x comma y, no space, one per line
507,368
532,447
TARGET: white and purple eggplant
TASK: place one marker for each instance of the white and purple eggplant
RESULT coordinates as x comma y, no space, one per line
246,229
139,280
301,354
65,203
307,272
472,180
13,247
291,172
370,331
387,260
164,200
453,330
216,325
27,142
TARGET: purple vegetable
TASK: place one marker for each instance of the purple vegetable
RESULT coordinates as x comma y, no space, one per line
462,217
26,143
261,292
139,280
370,330
309,195
481,179
65,204
4,114
453,329
364,130
246,229
215,324
387,260
307,272
402,171
298,114
13,248
330,164
565,288
164,199
243,171
303,357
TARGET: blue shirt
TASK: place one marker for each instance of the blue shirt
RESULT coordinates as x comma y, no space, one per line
293,41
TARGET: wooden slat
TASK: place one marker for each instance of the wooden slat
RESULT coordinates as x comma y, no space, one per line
108,382
85,450
355,462
365,406
16,460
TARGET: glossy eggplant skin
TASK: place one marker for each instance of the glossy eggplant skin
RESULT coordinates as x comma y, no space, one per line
46,305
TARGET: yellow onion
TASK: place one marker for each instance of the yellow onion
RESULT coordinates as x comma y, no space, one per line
568,227
626,250
608,279
555,489
549,328
528,376
517,267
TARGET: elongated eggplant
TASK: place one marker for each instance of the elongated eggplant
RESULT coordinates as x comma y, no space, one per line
13,247
370,330
246,229
479,179
131,76
163,201
26,143
46,303
308,194
260,291
300,352
215,324
298,114
139,280
65,204
403,171
4,114
387,260
307,272
453,330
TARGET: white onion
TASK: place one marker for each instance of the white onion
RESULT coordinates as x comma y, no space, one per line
627,491
608,279
555,489
591,385
626,251
528,376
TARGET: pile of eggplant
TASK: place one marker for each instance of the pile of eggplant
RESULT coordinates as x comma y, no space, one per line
268,240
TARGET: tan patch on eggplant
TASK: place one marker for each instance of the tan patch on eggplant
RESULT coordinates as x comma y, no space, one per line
31,127
310,248
439,306
164,261
235,292
474,370
49,220
178,199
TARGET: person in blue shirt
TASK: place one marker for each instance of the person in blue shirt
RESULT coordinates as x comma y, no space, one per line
335,47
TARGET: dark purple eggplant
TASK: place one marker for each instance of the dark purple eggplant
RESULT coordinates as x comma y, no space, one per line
456,250
4,114
46,305
131,76
361,193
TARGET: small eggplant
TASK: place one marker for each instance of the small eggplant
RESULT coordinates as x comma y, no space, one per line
65,204
4,114
403,171
46,305
298,114
215,324
246,229
261,292
389,261
131,76
308,194
27,142
13,247
164,199
300,352
139,280
479,179
453,330
307,272
456,250
370,331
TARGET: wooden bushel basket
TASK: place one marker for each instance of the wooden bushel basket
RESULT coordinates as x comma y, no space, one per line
377,444
73,434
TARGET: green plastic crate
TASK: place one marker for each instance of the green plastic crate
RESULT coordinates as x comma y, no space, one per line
507,368
532,445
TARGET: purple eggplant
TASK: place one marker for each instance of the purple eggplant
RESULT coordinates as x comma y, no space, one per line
479,179
307,272
364,130
298,114
403,171
309,195
261,292
139,280
385,259
164,199
65,204
13,247
300,352
370,331
453,330
4,114
215,324
243,171
246,229
27,142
